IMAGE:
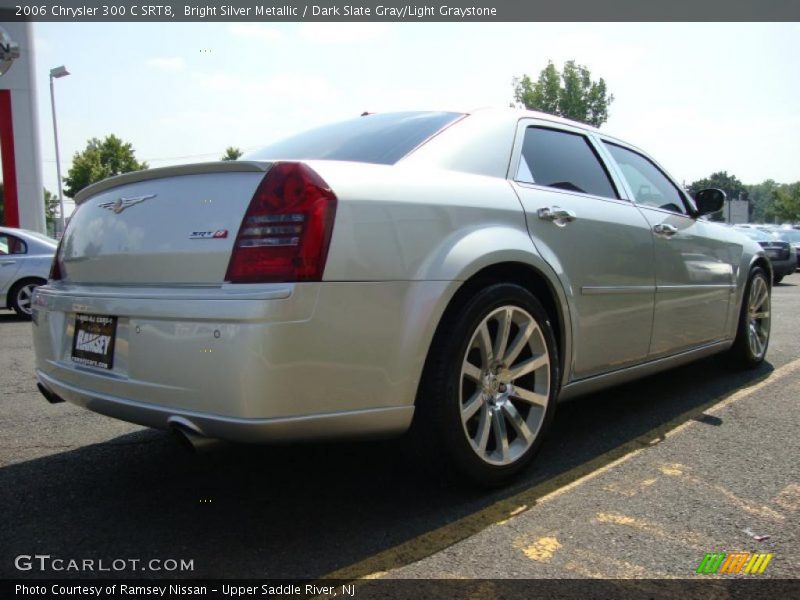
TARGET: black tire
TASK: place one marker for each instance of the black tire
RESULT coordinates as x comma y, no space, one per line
441,440
776,280
741,354
18,293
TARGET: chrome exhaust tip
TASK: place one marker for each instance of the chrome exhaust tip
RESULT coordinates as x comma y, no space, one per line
51,397
193,441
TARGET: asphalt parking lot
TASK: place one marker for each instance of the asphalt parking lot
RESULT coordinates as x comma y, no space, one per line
638,481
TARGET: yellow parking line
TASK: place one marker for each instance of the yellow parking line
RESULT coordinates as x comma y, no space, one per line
434,541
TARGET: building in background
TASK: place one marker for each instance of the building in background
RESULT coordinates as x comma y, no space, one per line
19,129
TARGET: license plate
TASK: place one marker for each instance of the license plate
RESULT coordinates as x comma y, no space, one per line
93,343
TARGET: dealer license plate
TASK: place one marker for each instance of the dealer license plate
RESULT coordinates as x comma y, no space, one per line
93,343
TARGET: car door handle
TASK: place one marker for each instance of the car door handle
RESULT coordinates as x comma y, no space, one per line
665,229
560,216
7,262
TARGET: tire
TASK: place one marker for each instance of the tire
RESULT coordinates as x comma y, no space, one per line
20,296
777,280
752,334
462,380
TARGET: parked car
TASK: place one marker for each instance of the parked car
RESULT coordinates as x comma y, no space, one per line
25,260
782,254
450,274
792,236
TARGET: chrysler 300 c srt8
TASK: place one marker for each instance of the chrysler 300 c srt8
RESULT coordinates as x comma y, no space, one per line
450,274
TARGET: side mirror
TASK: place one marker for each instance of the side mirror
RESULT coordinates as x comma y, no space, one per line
709,201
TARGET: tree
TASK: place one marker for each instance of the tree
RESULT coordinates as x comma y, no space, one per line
730,184
100,159
570,93
762,201
231,153
786,200
51,205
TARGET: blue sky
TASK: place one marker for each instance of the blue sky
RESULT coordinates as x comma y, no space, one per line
699,97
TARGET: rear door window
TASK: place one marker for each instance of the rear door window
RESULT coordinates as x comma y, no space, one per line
12,245
563,160
649,185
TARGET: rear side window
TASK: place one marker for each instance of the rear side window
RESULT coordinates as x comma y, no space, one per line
12,245
649,185
380,138
563,160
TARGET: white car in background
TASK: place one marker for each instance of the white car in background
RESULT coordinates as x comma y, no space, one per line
25,261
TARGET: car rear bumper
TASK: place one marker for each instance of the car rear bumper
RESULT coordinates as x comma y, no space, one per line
783,267
356,423
250,363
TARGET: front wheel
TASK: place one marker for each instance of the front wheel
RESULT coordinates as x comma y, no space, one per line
489,389
752,334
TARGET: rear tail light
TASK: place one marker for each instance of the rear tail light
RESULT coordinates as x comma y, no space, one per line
56,269
286,230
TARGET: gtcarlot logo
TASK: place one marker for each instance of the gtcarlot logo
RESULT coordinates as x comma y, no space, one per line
46,563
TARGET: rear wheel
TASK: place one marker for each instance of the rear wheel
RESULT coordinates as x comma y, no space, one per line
777,280
21,296
752,335
488,392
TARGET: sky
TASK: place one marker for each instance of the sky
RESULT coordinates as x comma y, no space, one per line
698,97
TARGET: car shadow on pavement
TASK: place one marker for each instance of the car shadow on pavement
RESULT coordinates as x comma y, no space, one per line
9,316
304,511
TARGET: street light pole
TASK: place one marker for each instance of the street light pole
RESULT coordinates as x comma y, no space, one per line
56,73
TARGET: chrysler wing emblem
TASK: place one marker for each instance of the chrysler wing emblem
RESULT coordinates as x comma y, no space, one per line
121,204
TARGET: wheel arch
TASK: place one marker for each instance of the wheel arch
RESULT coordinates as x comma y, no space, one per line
527,276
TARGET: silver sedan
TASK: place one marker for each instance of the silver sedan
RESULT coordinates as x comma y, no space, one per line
450,274
25,260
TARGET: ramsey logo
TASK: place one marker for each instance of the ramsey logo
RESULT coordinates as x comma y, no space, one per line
91,342
735,563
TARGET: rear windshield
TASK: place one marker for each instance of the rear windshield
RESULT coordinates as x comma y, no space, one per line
380,138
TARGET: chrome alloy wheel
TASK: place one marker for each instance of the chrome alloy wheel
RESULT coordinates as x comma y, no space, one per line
24,297
505,385
758,317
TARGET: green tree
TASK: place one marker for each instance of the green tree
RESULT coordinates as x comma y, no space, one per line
100,159
730,184
762,201
787,202
231,153
51,204
570,93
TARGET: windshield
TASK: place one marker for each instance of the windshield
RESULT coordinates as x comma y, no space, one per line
756,234
379,138
790,235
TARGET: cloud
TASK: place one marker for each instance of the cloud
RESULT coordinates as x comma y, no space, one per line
41,44
255,31
343,33
167,63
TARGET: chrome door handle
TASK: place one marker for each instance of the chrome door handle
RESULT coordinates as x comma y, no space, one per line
560,216
7,262
665,229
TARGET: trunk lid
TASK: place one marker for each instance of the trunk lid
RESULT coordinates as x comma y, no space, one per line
170,226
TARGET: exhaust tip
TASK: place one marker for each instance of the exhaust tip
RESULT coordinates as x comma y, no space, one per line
193,441
51,397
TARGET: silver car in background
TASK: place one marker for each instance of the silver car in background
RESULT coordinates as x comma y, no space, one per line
452,275
25,261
